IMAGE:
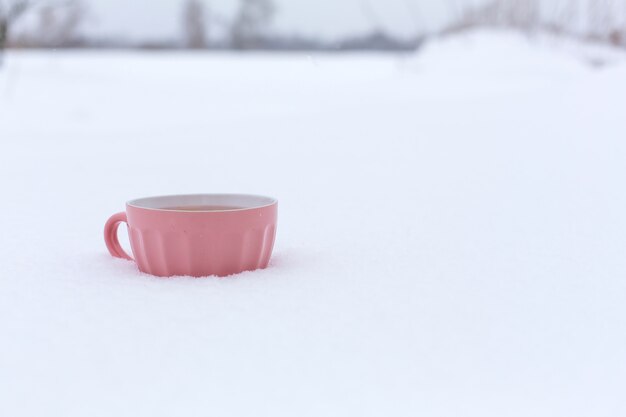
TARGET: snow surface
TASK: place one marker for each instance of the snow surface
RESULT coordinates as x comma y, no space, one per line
452,233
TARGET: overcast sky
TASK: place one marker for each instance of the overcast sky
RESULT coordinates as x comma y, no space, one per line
157,19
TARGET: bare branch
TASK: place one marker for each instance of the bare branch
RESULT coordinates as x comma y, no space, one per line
250,22
17,9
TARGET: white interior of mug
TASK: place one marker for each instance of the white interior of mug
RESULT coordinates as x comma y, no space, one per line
212,202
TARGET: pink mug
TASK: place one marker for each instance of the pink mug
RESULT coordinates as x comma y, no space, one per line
198,234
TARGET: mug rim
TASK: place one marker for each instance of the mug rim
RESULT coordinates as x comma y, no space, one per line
137,202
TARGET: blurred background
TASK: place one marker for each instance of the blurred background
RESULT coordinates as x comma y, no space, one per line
390,25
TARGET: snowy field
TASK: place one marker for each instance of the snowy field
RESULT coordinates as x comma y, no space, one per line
452,233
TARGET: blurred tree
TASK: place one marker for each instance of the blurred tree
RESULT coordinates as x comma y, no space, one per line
194,24
58,24
10,12
251,22
592,19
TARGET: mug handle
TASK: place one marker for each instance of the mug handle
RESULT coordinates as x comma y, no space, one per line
110,236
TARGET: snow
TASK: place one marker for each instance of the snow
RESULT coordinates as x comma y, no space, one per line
452,233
